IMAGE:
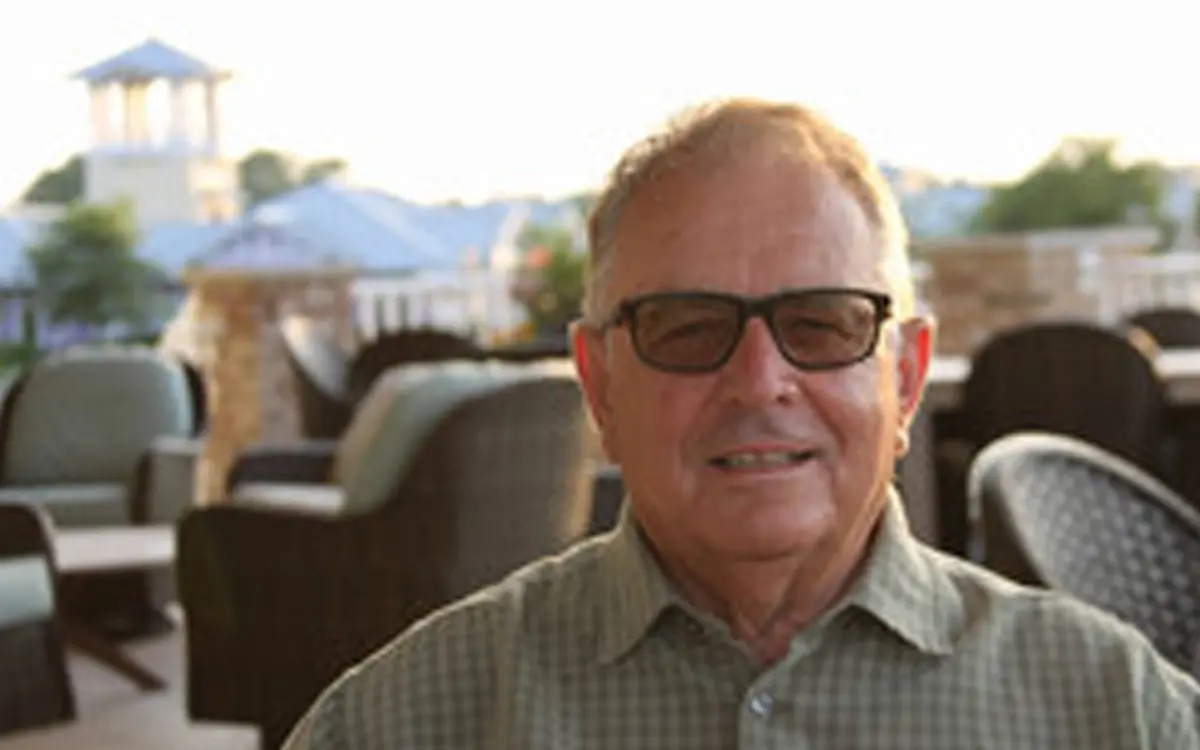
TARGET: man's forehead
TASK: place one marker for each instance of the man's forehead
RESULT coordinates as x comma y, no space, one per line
751,220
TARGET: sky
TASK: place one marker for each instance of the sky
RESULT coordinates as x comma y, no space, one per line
450,99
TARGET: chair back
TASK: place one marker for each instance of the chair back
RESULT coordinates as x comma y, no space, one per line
320,369
1084,521
408,346
89,415
1170,327
1071,378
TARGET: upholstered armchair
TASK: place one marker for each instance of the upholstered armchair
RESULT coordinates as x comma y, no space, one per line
35,689
449,476
91,436
78,431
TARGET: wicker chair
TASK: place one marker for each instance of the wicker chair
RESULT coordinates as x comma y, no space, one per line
1170,327
608,494
35,689
319,368
1070,378
1082,520
409,346
279,601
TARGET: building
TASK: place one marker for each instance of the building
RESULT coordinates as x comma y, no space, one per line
156,124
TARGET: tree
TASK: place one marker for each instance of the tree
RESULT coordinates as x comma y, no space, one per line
86,271
322,169
1079,185
62,184
265,174
551,285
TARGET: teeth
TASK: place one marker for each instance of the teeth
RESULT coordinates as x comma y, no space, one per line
754,460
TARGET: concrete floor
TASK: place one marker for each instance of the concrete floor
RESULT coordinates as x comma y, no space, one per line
115,715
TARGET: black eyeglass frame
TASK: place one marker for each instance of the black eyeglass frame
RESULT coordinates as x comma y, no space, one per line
748,308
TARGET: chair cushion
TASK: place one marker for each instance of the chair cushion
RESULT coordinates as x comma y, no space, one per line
26,590
88,416
403,409
75,504
319,498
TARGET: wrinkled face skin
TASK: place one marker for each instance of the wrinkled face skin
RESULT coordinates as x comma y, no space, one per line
758,226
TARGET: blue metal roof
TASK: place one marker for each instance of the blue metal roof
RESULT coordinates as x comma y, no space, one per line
323,222
367,232
172,246
151,59
257,244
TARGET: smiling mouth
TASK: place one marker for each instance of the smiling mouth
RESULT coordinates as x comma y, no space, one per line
760,461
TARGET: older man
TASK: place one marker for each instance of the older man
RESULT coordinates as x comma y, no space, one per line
752,358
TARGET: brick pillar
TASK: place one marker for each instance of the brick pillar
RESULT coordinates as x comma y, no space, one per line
240,351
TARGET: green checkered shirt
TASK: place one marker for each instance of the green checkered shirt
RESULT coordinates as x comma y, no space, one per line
594,649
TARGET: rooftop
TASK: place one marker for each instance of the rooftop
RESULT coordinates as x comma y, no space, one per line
150,60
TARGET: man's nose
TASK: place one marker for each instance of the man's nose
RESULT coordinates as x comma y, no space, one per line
757,372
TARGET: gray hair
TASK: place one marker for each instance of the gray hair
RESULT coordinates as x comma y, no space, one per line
719,127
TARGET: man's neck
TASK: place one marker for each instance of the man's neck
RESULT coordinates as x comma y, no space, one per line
766,604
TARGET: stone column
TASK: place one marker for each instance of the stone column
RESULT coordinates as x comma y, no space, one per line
239,348
178,128
102,130
212,119
137,125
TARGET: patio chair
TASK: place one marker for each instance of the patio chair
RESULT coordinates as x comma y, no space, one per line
408,346
35,689
320,369
449,476
1170,327
84,435
1082,520
1066,377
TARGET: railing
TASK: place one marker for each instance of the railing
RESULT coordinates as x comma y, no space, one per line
1166,280
481,302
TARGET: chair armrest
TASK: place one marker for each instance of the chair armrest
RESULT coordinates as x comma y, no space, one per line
168,486
25,529
307,462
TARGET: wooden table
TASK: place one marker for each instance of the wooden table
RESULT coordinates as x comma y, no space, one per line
1180,368
117,549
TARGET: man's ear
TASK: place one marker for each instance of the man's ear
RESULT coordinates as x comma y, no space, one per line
914,350
587,349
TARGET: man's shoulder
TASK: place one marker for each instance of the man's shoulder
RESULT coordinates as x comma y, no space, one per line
1057,629
445,673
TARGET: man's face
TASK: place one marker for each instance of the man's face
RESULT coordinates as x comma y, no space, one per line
687,443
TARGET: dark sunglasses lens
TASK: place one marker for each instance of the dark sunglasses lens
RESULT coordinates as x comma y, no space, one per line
685,333
826,329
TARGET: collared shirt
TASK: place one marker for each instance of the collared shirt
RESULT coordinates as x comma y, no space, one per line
595,649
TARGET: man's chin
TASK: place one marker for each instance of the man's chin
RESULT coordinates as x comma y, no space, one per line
766,537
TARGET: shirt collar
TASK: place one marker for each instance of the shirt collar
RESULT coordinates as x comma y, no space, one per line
903,585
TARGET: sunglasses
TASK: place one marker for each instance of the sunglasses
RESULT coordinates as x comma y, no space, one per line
698,332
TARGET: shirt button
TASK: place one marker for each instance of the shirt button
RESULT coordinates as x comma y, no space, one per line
761,704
